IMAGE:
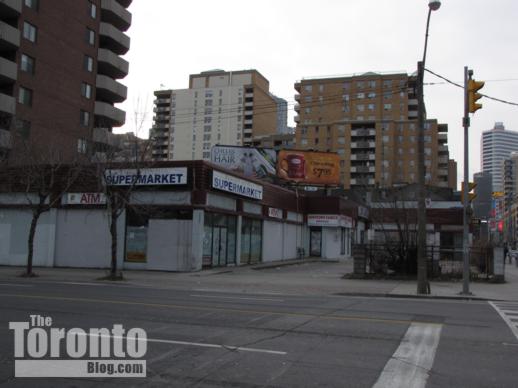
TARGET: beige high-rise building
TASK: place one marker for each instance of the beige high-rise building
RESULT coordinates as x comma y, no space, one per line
220,107
370,120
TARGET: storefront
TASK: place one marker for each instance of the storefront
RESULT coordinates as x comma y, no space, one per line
178,216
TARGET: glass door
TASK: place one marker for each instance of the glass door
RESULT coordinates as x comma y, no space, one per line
219,246
315,242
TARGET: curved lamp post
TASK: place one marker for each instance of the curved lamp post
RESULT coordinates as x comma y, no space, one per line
423,286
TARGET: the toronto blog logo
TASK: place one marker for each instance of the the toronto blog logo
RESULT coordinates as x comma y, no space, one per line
41,350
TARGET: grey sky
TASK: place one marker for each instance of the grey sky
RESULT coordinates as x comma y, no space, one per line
287,40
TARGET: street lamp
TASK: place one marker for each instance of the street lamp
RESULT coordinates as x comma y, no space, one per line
423,286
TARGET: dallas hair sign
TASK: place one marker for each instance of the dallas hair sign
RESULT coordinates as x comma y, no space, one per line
147,177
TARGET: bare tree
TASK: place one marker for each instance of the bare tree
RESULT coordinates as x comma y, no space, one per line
118,196
43,175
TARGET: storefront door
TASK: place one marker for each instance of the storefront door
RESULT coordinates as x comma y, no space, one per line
219,243
315,242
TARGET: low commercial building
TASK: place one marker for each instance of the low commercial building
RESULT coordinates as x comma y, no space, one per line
179,216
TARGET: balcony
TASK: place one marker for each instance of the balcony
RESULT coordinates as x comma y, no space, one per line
442,172
296,118
362,181
161,109
113,39
110,90
297,107
412,101
443,138
161,126
125,3
108,114
442,149
297,97
363,144
162,101
363,132
114,13
247,131
111,64
443,160
8,71
248,122
7,104
9,37
104,136
10,9
249,95
364,156
412,114
297,86
363,169
5,139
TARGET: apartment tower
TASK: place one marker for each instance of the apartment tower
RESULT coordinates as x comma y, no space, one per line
220,107
497,145
60,62
370,120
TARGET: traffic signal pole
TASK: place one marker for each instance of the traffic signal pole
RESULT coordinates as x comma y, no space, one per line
465,199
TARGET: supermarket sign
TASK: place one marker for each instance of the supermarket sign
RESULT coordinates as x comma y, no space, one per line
332,220
147,177
237,186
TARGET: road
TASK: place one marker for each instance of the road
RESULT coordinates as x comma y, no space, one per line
203,338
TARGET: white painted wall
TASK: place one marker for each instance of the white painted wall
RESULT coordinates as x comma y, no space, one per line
14,232
170,245
272,241
83,238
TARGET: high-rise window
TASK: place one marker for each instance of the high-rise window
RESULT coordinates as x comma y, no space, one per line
82,146
84,118
90,36
25,96
88,63
32,4
93,10
29,31
27,64
23,127
86,90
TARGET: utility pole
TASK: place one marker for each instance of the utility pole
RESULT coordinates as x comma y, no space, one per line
465,233
470,106
422,278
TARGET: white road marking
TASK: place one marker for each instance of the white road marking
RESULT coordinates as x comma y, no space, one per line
86,284
235,297
199,344
413,359
16,285
501,309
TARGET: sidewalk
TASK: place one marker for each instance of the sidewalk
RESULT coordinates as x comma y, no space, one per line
301,278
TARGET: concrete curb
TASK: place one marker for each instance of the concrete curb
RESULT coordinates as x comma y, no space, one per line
275,264
411,296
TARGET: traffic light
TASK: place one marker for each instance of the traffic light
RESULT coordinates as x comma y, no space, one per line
471,187
473,96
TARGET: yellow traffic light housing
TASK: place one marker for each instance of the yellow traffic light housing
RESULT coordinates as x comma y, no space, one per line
473,96
471,187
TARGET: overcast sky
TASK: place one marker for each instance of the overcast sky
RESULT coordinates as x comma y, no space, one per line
287,40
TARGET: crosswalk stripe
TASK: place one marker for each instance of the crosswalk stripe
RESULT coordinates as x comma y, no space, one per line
509,316
409,366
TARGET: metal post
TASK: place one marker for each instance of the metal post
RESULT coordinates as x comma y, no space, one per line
465,239
422,280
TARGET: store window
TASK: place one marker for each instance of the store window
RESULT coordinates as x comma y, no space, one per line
219,242
251,241
136,237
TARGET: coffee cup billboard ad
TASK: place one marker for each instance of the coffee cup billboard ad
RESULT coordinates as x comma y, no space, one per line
318,168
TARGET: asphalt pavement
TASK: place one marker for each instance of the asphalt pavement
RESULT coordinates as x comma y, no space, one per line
202,337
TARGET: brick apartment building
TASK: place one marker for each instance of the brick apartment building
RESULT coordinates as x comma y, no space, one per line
60,62
370,120
219,107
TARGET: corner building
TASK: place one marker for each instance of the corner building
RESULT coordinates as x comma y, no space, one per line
370,120
60,66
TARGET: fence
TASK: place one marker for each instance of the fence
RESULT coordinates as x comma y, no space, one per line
389,258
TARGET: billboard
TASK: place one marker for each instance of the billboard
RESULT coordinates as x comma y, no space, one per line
253,162
315,168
